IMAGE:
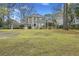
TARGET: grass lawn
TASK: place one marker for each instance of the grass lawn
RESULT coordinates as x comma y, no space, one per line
39,42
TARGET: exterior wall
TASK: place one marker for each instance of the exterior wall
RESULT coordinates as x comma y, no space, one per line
38,21
59,20
35,22
75,21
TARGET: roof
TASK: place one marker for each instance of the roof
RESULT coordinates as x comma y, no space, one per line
36,15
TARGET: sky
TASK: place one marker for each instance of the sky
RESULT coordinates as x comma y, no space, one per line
40,8
46,8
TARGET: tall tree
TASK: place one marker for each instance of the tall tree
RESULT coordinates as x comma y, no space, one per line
3,12
71,14
9,21
26,10
65,17
58,10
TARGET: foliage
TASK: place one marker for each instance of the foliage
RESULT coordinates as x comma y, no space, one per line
21,26
1,22
77,11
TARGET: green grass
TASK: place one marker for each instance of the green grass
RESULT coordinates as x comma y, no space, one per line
39,42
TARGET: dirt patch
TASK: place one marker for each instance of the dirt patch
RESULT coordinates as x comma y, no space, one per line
7,34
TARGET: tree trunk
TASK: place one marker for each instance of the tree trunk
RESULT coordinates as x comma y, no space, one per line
12,26
65,17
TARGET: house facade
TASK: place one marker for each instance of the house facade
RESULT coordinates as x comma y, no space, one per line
59,19
35,21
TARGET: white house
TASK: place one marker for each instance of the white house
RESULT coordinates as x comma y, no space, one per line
34,21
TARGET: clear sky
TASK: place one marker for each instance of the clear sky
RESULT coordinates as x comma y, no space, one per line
40,8
46,8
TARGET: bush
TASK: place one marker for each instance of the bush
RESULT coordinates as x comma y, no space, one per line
21,26
29,27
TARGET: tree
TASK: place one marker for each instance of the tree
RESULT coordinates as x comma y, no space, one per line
65,17
57,14
71,14
51,21
76,10
1,22
3,9
26,10
3,13
9,21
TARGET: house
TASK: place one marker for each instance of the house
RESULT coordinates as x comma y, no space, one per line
34,21
75,21
48,21
59,20
43,21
